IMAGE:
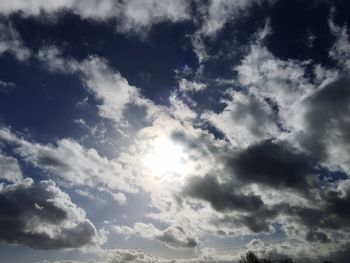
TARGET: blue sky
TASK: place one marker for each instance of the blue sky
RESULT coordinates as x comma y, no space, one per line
174,130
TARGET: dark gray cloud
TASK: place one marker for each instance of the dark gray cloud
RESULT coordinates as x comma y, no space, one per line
221,196
327,117
42,216
224,197
330,213
341,256
317,236
275,164
272,163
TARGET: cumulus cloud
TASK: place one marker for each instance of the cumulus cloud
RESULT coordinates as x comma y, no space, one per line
326,125
9,169
245,119
138,15
174,236
275,164
135,16
131,255
282,82
83,167
270,152
42,216
223,197
100,79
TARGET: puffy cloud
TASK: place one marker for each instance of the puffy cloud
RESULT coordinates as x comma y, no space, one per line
131,255
223,197
275,164
139,15
42,216
245,119
83,167
131,16
282,82
109,86
174,236
325,132
90,8
105,83
9,169
327,213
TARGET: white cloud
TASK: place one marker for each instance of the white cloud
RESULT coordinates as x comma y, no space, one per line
108,85
83,167
11,42
9,169
246,119
132,16
191,86
99,78
175,236
219,12
140,15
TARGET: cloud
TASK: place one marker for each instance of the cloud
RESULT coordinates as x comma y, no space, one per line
264,178
139,16
245,119
109,86
322,222
131,255
41,216
275,164
282,82
99,78
340,50
224,197
11,42
191,86
218,12
6,87
325,133
9,169
83,167
174,236
317,236
135,16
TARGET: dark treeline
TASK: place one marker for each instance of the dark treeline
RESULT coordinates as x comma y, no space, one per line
250,257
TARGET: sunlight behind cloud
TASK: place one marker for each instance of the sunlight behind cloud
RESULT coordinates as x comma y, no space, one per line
166,158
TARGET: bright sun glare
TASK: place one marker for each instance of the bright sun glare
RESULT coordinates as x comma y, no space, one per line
165,157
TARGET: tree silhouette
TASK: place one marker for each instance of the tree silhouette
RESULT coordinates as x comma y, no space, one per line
250,257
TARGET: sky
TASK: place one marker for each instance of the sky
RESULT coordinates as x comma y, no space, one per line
174,130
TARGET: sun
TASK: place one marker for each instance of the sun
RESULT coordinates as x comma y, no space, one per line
166,158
